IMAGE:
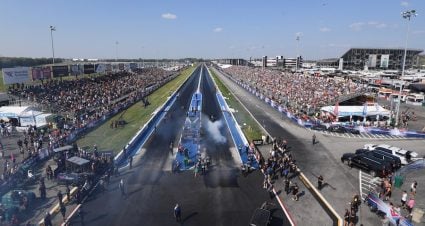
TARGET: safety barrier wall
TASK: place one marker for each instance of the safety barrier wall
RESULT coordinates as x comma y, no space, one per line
309,123
143,134
235,131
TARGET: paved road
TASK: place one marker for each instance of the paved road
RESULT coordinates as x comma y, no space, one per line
222,197
323,158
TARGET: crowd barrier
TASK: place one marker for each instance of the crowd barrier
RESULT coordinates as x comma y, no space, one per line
143,134
308,123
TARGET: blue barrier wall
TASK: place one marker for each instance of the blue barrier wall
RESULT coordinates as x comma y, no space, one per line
143,135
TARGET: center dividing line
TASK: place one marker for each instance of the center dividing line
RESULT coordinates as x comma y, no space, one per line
200,78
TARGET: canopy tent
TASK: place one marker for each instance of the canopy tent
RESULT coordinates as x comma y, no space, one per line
363,110
26,115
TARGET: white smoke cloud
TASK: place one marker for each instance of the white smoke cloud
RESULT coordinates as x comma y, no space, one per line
213,130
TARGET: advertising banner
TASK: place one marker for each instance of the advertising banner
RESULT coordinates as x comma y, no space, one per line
126,67
372,60
88,68
36,73
100,68
108,68
59,71
121,66
77,69
133,66
385,58
47,72
15,75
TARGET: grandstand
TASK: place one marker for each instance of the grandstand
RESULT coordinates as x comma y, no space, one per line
374,58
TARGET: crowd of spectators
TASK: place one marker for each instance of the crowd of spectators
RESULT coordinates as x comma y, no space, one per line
300,94
86,99
79,102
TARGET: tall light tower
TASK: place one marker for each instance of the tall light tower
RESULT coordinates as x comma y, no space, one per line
298,52
406,15
52,29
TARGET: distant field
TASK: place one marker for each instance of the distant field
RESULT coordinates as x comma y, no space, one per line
136,116
2,86
249,126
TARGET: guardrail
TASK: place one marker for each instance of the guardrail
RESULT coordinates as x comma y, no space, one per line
309,123
236,133
141,136
336,218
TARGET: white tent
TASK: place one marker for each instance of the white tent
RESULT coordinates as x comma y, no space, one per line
369,110
26,115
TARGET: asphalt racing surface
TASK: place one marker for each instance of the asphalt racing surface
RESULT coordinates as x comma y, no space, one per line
222,197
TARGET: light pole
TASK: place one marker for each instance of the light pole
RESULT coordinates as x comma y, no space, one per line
52,29
298,52
406,15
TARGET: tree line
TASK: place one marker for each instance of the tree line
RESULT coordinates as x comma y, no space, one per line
7,62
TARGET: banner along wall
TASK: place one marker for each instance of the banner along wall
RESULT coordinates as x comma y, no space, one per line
15,75
59,71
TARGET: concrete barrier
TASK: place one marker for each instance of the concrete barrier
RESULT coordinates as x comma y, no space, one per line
149,126
55,209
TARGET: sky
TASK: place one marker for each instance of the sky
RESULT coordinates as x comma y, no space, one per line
205,29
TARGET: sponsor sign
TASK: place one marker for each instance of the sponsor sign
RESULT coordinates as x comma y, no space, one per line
15,75
36,73
372,60
47,73
77,69
133,66
100,68
385,58
89,68
59,71
108,67
121,66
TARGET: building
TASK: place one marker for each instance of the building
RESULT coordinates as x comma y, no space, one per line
374,58
236,62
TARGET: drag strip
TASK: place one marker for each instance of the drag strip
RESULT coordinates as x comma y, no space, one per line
221,197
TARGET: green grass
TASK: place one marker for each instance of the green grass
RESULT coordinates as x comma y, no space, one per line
136,116
250,127
3,87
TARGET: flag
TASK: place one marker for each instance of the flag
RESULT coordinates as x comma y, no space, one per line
336,109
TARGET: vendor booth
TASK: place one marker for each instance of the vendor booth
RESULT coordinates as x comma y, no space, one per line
23,116
369,112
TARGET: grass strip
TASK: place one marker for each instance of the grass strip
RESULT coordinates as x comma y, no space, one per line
136,116
249,126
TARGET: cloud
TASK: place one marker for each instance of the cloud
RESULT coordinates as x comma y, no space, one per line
218,29
418,32
169,16
324,29
298,34
404,3
381,25
357,26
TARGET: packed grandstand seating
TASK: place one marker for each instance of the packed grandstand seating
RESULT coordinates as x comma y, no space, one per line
301,94
86,99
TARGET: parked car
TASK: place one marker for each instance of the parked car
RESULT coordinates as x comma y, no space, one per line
405,156
373,165
319,127
342,129
394,160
